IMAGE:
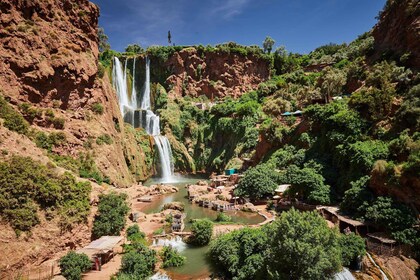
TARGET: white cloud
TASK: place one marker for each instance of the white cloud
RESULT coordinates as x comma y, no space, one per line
229,8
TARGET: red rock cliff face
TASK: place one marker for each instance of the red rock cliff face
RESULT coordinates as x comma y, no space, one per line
48,59
398,30
214,74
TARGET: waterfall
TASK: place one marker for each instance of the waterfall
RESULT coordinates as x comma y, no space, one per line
133,90
142,117
345,274
175,242
165,153
145,99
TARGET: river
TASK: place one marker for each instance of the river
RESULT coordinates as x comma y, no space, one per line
197,265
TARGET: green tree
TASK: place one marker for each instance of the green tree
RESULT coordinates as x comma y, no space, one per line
138,262
257,182
103,40
134,48
303,247
73,265
134,233
171,257
202,231
309,183
241,254
352,246
112,211
333,81
356,197
268,44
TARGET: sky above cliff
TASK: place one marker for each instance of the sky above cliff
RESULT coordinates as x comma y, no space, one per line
299,25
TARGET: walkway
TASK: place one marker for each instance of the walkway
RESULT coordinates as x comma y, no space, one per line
108,269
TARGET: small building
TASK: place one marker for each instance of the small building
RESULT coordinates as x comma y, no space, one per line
101,250
229,172
381,243
343,222
281,189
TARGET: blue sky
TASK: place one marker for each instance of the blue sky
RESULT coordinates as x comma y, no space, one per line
299,25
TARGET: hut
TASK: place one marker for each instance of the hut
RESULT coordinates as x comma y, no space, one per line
344,223
281,189
101,250
381,243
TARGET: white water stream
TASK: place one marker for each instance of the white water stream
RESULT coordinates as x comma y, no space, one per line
142,116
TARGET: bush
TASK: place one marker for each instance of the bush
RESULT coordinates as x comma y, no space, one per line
257,182
241,254
97,108
12,119
104,139
171,257
303,247
134,233
111,217
352,246
73,265
54,139
27,186
88,169
272,251
202,231
222,217
138,262
58,122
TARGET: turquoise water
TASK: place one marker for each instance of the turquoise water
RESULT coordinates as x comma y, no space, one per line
197,263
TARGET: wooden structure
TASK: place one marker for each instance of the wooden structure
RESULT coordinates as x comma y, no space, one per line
344,223
178,222
381,243
101,250
280,190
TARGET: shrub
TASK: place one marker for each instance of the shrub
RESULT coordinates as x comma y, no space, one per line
303,247
104,139
138,262
257,182
222,217
101,70
112,211
12,119
58,122
352,246
171,257
134,233
54,139
88,168
27,186
73,265
97,108
202,231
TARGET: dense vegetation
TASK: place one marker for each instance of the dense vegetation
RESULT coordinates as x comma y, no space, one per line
111,217
138,261
171,257
296,246
28,186
73,265
202,231
358,135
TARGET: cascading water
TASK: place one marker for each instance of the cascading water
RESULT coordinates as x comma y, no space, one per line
142,116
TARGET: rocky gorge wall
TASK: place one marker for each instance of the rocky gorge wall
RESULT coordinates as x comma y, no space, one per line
398,31
49,61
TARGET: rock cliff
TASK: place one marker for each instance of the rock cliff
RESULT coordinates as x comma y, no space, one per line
49,61
192,71
398,31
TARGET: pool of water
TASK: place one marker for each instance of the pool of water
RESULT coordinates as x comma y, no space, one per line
194,211
197,263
